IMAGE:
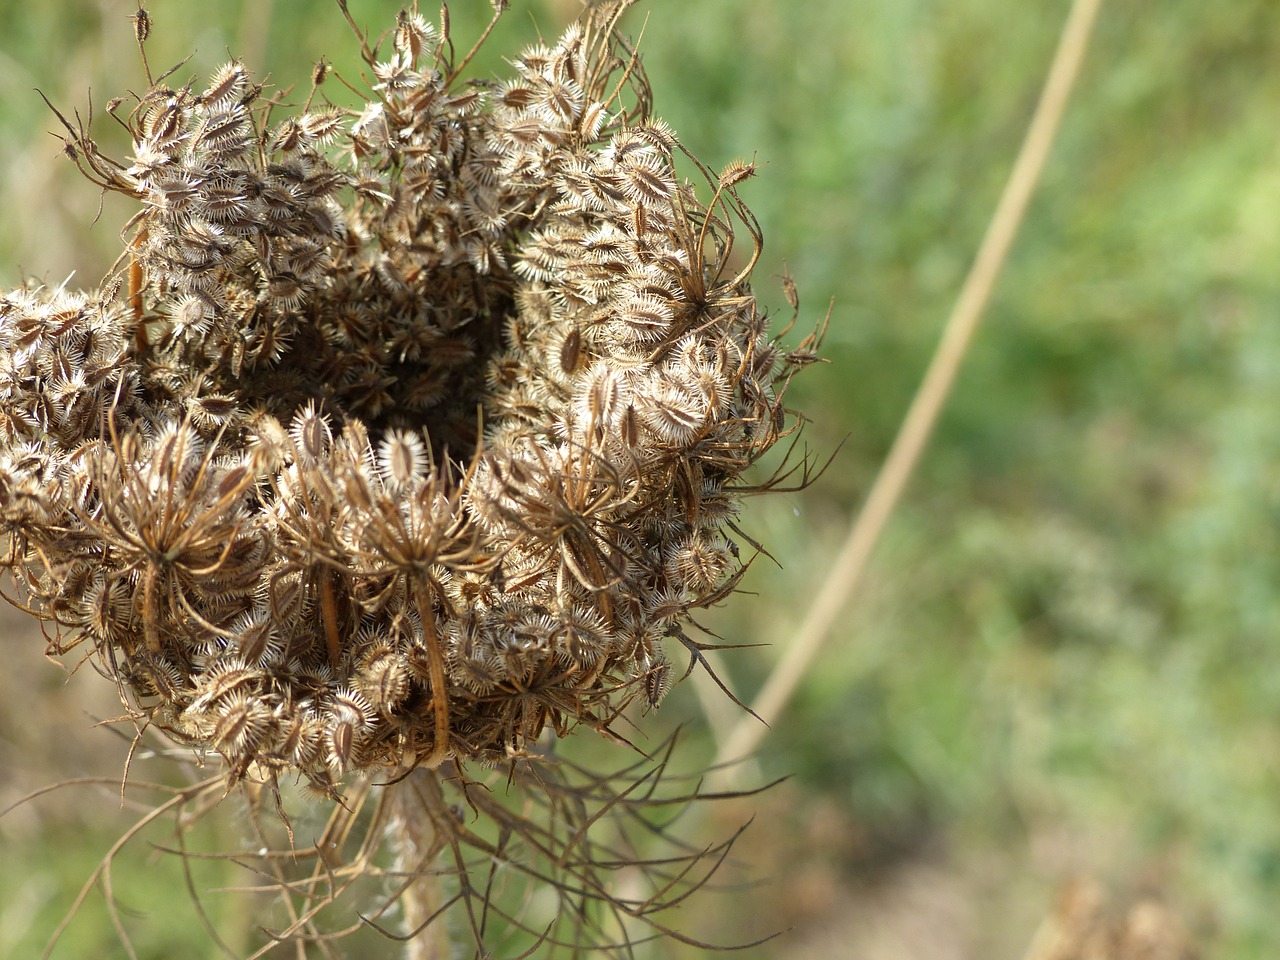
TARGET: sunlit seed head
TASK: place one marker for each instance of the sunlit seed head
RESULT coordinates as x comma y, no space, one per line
225,85
413,35
392,415
241,722
402,457
311,434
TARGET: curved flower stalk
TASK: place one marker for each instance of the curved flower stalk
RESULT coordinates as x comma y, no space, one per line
399,435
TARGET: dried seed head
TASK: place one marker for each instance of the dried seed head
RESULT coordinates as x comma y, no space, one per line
401,458
141,25
413,35
736,172
571,350
226,85
301,738
311,434
349,717
385,679
241,723
404,418
657,681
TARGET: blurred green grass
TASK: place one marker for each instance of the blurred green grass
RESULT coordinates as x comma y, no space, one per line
1065,658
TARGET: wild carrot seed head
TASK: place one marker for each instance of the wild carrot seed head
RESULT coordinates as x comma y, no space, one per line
406,432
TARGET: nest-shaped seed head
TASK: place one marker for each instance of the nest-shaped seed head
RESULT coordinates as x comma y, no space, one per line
400,434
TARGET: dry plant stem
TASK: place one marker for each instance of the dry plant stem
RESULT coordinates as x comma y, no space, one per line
934,389
421,899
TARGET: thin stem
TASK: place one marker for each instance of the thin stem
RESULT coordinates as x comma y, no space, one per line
475,48
414,839
934,390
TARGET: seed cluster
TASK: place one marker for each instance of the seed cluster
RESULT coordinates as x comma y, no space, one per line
401,433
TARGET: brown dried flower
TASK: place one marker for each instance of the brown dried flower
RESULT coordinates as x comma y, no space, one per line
402,434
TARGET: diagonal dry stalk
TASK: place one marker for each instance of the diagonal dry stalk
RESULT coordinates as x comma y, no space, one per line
931,397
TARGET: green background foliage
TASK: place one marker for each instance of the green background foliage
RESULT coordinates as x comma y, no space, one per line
1064,660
